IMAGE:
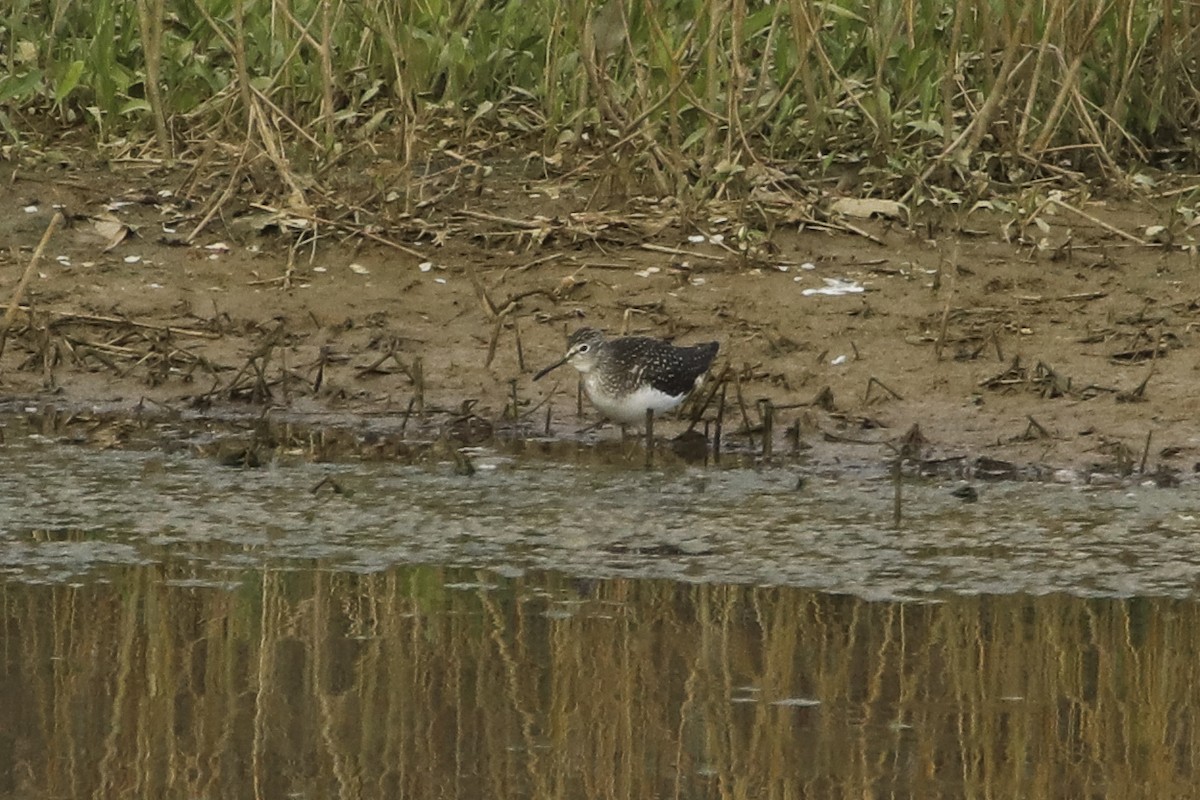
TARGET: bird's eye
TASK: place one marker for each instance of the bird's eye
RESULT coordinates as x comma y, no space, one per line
583,348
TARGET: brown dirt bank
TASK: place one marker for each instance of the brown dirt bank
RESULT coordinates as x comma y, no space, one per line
1037,338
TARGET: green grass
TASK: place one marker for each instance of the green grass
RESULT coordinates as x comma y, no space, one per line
687,97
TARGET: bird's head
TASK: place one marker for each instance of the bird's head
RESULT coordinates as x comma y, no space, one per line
583,349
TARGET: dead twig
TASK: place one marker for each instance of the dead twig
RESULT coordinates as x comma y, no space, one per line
64,317
675,251
1097,221
1138,393
873,381
19,292
1035,427
356,230
485,301
698,409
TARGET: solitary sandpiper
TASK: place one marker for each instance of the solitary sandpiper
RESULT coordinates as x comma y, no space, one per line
628,376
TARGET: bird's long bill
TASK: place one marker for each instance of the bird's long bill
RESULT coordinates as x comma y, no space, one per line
548,369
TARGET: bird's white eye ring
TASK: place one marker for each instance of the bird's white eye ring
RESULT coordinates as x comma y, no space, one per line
583,348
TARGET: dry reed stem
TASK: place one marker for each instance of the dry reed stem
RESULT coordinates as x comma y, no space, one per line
150,24
965,144
1098,222
719,423
23,284
872,382
326,52
767,412
66,317
897,484
698,409
226,194
493,340
940,343
357,230
741,401
1068,84
238,47
649,438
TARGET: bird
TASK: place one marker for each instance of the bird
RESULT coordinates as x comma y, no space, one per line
627,376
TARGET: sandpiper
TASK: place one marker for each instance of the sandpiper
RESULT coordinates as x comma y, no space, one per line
628,376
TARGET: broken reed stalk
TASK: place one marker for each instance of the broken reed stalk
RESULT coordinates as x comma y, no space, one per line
286,383
49,356
579,398
512,394
897,482
252,363
485,300
322,360
520,349
62,317
1145,452
418,379
1037,426
793,437
412,401
698,409
965,144
737,387
941,339
491,351
549,410
23,284
995,337
262,387
767,410
940,344
719,423
873,381
150,15
649,438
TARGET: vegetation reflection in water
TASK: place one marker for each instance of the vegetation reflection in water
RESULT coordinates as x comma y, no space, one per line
171,627
423,681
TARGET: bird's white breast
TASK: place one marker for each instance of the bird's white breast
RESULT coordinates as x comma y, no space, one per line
629,409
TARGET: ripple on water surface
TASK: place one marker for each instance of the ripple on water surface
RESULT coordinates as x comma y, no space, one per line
74,511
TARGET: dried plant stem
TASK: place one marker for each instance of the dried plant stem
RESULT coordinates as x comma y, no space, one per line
239,52
649,438
767,410
327,82
1068,83
1098,222
23,284
719,423
897,486
741,400
150,23
972,135
418,380
952,266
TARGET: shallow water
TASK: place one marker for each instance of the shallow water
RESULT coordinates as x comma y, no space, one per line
539,629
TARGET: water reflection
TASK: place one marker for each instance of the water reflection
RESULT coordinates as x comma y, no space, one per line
422,681
70,513
173,627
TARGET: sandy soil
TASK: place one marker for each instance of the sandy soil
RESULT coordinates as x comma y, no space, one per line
1056,344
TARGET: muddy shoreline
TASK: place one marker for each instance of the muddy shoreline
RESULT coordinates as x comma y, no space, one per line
1059,345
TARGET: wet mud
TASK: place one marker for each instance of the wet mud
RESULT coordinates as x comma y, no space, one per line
982,344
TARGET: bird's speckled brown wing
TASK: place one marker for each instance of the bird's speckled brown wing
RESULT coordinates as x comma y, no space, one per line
668,369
